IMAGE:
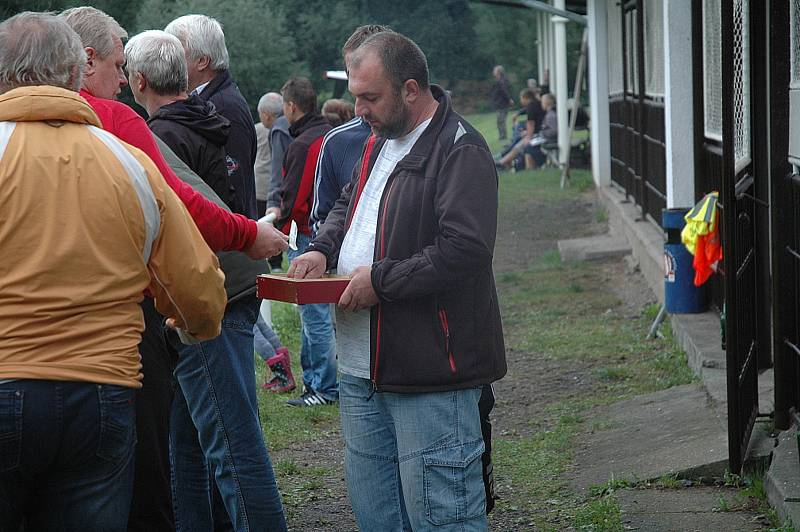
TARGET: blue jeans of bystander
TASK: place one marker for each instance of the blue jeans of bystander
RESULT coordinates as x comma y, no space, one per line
66,455
215,425
317,342
413,461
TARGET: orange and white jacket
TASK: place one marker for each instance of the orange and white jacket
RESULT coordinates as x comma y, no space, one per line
87,224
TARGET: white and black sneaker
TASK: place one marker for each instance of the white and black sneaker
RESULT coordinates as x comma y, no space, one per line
310,398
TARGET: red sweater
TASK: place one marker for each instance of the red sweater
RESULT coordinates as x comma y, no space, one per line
222,230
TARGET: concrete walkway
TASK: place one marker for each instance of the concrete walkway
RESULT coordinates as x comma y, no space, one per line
681,431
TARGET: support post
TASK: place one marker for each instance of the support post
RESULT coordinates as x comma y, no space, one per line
678,103
598,91
560,33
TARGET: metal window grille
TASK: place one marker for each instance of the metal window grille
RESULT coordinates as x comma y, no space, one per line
741,83
712,69
633,67
654,48
795,43
615,63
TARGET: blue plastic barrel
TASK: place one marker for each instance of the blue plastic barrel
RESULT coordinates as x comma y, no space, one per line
681,296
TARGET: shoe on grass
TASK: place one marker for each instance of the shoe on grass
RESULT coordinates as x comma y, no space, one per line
310,398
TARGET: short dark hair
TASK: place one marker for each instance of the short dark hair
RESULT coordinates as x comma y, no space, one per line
528,94
401,57
361,34
301,92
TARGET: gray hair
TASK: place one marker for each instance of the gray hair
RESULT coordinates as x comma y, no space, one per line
159,57
271,103
95,28
549,98
203,37
39,49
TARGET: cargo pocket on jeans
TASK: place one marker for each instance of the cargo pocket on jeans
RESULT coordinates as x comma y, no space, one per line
10,429
117,422
453,483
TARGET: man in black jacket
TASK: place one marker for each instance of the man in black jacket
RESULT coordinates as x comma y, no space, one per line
500,98
415,229
317,339
203,418
209,77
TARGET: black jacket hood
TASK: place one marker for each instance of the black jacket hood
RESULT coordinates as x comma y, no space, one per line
200,116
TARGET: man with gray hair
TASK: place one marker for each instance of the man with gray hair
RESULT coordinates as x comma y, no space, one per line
209,77
415,231
270,108
201,419
109,229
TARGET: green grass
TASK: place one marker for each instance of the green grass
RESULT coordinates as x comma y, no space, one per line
282,424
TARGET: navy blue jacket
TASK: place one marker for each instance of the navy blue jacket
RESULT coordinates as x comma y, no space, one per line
241,145
341,150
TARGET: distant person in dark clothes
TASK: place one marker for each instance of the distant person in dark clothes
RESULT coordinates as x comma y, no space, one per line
209,77
216,393
533,124
337,111
500,98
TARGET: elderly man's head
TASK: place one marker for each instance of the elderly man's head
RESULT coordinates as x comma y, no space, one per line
39,49
548,101
204,44
270,107
388,76
102,40
156,66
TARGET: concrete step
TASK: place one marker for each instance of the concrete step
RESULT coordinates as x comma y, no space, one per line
782,480
701,509
593,248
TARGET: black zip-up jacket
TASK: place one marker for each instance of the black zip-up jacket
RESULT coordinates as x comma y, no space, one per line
197,134
241,145
299,164
437,326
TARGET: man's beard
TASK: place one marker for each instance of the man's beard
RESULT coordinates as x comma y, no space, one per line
398,121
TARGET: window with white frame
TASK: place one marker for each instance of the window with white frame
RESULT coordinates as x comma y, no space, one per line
741,83
712,69
615,63
654,48
633,67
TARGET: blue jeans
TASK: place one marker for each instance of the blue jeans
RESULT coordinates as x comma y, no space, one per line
66,455
317,341
265,341
215,431
413,461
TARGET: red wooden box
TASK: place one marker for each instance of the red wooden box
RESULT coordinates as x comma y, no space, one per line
278,287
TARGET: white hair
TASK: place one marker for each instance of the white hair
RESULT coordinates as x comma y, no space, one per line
39,49
203,37
95,28
158,56
271,103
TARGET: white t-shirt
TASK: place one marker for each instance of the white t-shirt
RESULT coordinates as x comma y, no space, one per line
352,328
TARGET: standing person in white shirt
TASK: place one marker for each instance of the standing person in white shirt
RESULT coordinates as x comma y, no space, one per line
419,322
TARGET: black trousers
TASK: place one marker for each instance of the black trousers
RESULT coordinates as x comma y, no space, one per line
151,507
